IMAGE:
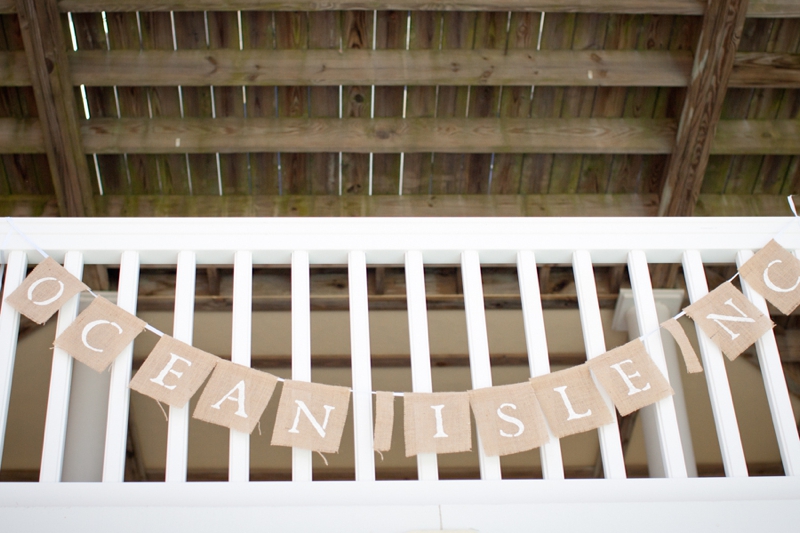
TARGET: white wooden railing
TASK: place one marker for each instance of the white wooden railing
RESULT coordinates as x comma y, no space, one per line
736,502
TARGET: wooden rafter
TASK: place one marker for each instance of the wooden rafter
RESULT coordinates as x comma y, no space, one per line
713,64
45,47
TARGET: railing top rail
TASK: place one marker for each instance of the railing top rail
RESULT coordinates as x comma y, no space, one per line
385,240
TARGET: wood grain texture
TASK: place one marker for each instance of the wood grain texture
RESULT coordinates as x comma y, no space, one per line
757,8
40,25
713,63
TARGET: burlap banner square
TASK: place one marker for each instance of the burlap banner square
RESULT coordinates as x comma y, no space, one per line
384,421
630,377
509,419
693,365
571,402
45,290
437,422
775,274
235,396
99,334
173,372
729,319
311,416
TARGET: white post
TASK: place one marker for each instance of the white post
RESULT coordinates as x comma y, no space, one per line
668,304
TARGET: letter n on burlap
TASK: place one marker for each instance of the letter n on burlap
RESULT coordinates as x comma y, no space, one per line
311,416
570,401
436,422
235,396
630,377
173,372
99,334
775,274
729,319
45,290
509,419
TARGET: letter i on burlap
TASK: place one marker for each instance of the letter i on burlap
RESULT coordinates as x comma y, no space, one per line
729,319
44,291
436,422
570,401
311,416
235,396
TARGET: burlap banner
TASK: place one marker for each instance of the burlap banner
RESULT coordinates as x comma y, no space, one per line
384,421
99,334
509,419
173,372
571,402
630,377
235,396
311,416
693,365
45,290
729,319
775,274
436,422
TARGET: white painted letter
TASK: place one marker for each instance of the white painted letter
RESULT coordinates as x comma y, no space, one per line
572,414
626,378
301,406
159,379
440,434
718,318
516,421
61,291
240,399
90,326
768,282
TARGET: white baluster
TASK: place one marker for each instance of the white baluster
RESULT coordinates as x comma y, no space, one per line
301,348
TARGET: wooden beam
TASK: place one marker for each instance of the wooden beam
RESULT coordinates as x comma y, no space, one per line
713,64
45,47
384,67
21,136
28,206
224,67
388,135
758,8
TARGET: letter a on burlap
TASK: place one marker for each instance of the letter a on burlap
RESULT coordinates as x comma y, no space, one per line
436,422
630,377
311,416
235,396
509,419
729,319
775,274
44,291
570,401
173,372
99,334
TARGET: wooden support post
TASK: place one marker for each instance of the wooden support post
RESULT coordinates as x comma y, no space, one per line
713,63
46,50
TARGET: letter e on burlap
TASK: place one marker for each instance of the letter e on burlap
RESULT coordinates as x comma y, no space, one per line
630,377
775,274
45,290
235,396
509,419
729,319
570,401
436,422
99,334
173,372
311,416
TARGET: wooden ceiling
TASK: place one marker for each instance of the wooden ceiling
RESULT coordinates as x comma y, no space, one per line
399,107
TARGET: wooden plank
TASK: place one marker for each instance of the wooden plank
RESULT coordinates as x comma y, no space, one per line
713,63
14,71
258,33
390,33
21,136
45,48
357,33
28,206
391,206
324,32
